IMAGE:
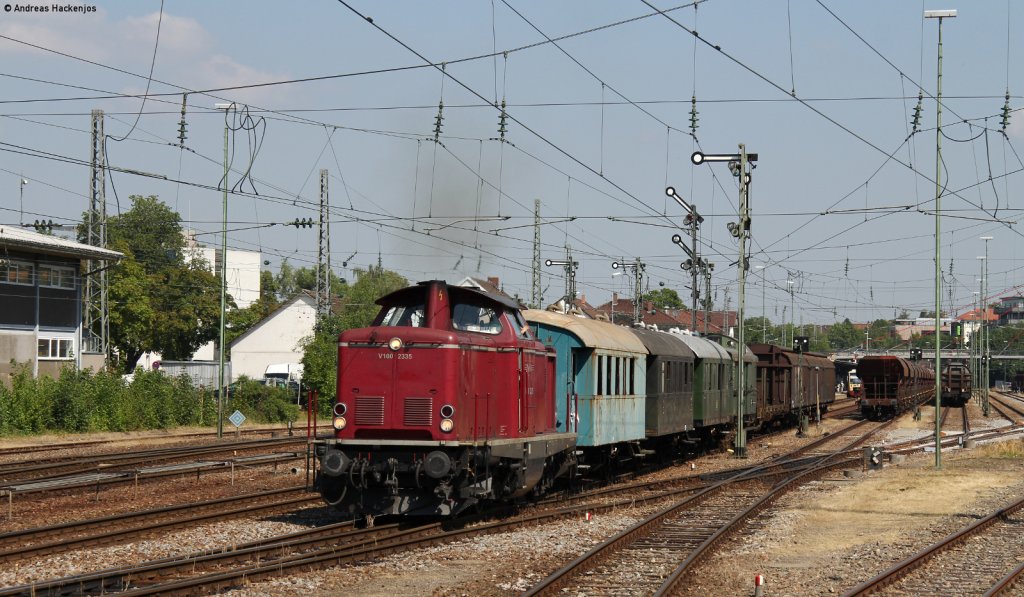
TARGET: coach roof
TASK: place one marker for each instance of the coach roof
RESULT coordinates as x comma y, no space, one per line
595,334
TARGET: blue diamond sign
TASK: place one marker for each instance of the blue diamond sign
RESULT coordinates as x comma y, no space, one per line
237,418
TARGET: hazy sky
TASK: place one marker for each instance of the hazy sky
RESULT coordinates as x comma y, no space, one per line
598,124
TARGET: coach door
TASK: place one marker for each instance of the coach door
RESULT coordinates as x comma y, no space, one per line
571,398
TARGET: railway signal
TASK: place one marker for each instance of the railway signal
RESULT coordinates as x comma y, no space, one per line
569,265
740,165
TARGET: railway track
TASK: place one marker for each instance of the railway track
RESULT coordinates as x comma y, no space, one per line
203,572
34,470
983,558
1005,405
645,558
324,546
110,530
73,445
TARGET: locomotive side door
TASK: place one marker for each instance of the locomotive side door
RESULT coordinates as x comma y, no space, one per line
525,363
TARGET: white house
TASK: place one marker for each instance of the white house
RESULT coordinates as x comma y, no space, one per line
276,339
242,280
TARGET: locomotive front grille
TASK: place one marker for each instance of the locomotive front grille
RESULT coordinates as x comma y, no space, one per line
417,411
369,410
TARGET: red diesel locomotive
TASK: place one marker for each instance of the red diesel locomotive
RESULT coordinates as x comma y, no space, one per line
443,402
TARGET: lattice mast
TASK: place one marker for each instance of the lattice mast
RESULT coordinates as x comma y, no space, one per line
96,322
323,259
535,298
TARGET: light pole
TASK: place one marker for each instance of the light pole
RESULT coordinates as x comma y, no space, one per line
792,316
764,316
984,326
975,339
221,390
614,294
739,165
938,14
21,201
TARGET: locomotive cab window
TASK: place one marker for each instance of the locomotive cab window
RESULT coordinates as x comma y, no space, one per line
468,317
522,328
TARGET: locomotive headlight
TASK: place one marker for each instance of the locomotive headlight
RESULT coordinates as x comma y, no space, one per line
395,344
447,411
339,423
447,425
340,409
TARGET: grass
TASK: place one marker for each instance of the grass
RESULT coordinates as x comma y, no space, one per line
1008,449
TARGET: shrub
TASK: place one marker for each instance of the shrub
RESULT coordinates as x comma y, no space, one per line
83,401
261,403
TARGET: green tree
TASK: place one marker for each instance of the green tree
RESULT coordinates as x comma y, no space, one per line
665,298
758,329
880,333
358,308
161,299
844,335
290,280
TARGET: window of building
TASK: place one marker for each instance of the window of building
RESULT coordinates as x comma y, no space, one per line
56,277
55,348
17,272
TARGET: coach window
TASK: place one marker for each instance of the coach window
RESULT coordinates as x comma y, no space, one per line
600,376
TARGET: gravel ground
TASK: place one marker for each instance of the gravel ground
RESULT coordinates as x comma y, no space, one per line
796,559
